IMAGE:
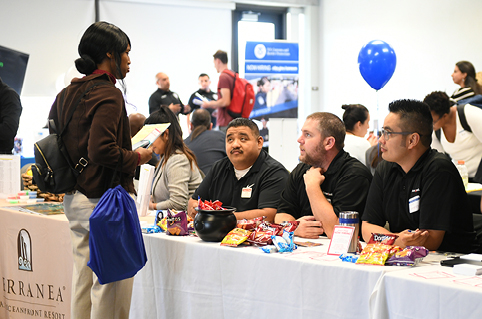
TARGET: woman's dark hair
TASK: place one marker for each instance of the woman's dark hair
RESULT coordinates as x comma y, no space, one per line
98,40
470,80
439,102
201,121
175,141
354,113
262,81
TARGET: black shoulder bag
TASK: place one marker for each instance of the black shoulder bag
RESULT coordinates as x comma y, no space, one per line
53,170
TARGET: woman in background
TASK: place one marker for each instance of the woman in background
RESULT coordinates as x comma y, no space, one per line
177,175
356,119
460,144
464,75
261,99
99,131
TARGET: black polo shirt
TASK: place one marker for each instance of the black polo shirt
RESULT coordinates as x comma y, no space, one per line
430,196
266,178
161,97
346,186
210,96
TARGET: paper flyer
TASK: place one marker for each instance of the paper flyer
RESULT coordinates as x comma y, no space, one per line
341,239
148,134
9,174
144,191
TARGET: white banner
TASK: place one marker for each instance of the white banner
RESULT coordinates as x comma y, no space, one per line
35,265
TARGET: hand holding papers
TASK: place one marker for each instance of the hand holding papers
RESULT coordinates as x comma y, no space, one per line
148,134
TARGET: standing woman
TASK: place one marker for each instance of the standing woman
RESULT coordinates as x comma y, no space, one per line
356,119
177,175
464,75
98,132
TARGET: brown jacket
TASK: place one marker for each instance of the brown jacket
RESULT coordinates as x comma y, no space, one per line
98,130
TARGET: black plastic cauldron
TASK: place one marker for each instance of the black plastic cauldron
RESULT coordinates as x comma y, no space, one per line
214,225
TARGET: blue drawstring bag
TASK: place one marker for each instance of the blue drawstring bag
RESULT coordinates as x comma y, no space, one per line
116,246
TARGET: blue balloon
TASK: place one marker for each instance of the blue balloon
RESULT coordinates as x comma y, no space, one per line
377,61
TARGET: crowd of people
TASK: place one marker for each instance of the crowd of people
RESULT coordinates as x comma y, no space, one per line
397,181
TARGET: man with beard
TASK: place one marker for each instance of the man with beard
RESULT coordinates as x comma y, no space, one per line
248,178
327,182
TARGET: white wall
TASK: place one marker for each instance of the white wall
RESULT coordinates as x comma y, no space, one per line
428,37
177,39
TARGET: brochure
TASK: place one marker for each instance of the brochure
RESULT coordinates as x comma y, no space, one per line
148,134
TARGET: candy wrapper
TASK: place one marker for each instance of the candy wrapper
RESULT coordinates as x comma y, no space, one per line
177,223
284,243
209,205
377,249
262,235
269,249
235,237
151,229
410,256
250,224
289,226
349,258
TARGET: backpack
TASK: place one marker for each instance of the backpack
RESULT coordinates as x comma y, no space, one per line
54,171
242,97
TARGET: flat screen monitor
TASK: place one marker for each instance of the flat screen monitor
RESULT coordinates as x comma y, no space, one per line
13,65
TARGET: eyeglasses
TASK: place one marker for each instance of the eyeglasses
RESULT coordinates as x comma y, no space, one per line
386,134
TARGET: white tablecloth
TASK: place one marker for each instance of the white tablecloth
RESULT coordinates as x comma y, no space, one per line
427,292
188,278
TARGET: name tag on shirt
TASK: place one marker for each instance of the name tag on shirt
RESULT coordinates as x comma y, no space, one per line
414,204
246,192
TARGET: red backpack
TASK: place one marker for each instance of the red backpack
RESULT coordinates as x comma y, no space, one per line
242,97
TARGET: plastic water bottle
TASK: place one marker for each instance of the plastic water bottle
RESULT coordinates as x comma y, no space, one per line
464,173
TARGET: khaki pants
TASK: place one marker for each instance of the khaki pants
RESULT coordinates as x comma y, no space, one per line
90,299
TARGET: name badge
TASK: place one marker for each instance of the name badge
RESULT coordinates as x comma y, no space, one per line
246,192
414,204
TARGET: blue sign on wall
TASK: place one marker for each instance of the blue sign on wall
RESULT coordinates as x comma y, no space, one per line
273,68
266,58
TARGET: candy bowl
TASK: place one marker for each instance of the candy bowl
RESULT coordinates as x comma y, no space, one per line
214,225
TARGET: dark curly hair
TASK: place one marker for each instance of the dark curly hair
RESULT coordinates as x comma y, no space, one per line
439,102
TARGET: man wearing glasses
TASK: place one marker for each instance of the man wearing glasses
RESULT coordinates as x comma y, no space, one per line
417,190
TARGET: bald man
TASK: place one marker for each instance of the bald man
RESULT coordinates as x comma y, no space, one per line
136,122
164,96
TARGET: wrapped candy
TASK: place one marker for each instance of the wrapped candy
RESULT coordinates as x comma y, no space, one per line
289,226
284,243
262,234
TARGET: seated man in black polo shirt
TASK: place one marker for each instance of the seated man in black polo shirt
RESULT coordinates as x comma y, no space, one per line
327,182
248,178
417,190
164,96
